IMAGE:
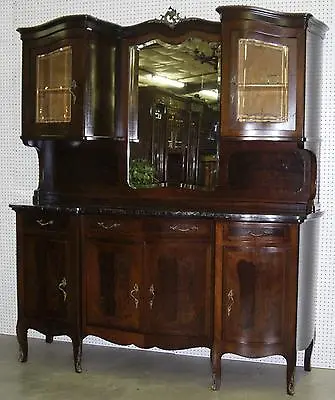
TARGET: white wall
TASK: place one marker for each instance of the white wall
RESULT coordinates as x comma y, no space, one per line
18,164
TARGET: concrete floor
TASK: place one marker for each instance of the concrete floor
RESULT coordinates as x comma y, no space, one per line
113,373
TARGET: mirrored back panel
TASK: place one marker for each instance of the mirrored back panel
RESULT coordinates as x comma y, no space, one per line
173,116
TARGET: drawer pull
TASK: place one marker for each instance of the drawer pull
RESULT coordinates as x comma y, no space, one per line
108,227
152,292
230,303
133,292
62,285
41,222
257,235
184,228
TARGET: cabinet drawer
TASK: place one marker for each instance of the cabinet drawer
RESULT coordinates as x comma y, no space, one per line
179,227
44,222
264,232
105,225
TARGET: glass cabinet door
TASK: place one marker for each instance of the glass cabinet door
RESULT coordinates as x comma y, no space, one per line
54,86
260,94
262,81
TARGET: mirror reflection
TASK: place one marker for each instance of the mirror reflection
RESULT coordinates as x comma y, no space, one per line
174,114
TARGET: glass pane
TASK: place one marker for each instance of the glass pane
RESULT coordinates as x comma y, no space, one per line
262,82
173,114
53,86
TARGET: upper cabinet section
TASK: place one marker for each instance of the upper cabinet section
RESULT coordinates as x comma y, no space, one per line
69,79
254,75
183,104
265,72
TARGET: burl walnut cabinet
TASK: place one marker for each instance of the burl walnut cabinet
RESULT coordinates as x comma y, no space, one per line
177,203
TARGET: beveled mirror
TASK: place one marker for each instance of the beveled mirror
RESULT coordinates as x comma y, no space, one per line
173,114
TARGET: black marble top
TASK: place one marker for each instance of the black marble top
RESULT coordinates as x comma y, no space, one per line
167,212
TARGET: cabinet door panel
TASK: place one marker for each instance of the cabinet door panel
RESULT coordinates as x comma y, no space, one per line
254,293
53,86
55,90
112,284
46,277
262,90
179,288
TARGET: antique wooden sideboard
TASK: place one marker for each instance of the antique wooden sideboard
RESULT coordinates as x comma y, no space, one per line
178,197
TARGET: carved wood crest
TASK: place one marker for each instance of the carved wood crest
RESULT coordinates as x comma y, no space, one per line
171,17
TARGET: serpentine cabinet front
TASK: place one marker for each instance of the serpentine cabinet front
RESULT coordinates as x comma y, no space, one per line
174,283
255,293
148,281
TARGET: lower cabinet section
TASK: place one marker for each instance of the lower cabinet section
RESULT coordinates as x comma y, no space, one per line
48,278
256,310
173,283
153,283
45,288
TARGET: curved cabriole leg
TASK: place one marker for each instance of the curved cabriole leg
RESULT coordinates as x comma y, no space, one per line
21,334
216,369
290,372
77,352
308,355
49,338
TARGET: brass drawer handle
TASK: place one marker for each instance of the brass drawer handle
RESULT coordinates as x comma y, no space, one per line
62,285
152,292
41,222
257,235
184,228
230,303
108,227
134,291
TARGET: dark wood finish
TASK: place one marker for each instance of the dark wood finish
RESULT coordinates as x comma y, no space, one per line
80,173
68,169
112,272
268,171
210,256
308,356
257,303
49,338
111,284
93,45
48,278
178,259
135,275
